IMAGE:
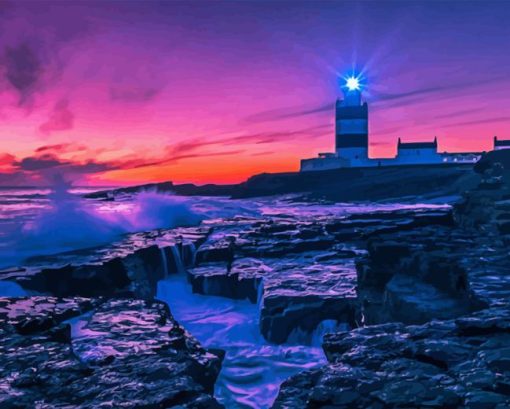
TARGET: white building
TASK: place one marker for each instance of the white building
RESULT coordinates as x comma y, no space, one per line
499,145
417,152
351,141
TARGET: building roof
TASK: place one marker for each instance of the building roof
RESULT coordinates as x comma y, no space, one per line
497,142
417,145
461,153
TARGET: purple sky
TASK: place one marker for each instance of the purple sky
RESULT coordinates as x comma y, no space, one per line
128,92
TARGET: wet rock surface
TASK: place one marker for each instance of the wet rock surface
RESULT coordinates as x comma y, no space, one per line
354,269
130,267
452,279
420,274
443,364
126,353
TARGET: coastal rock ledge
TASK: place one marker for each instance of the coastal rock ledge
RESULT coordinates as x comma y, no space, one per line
462,363
90,353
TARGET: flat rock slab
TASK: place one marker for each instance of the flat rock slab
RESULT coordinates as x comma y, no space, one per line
302,292
129,353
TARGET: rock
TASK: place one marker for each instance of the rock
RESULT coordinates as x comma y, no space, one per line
484,400
418,275
307,276
130,268
435,365
297,298
242,282
412,301
488,322
30,315
133,353
314,281
214,251
295,391
412,280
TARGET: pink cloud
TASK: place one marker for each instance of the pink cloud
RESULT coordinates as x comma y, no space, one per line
60,119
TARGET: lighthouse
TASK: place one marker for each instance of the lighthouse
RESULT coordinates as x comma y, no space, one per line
351,140
351,124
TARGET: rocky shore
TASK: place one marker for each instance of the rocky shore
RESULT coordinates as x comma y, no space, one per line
461,363
453,280
416,300
131,354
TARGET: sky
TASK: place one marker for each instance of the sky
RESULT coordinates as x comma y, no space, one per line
127,92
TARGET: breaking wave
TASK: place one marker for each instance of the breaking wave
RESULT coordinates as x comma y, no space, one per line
70,222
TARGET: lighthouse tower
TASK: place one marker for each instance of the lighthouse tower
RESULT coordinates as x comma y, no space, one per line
352,125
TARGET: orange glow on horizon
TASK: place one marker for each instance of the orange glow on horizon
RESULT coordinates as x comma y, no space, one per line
218,170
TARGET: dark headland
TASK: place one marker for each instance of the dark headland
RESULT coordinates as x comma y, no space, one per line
350,184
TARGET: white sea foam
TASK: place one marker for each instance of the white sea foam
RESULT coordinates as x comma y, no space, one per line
70,222
253,369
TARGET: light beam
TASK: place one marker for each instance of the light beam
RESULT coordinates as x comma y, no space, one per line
352,84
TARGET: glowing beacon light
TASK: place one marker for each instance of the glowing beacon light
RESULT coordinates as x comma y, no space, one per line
352,84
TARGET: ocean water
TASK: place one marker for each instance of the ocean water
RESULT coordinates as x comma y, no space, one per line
43,221
253,369
35,221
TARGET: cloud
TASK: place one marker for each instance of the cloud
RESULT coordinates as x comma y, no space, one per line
133,93
16,179
49,160
382,143
7,162
457,113
61,118
378,99
417,94
265,153
39,170
200,155
61,148
382,97
6,159
23,70
169,158
479,121
38,163
90,167
285,113
33,40
5,6
192,145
